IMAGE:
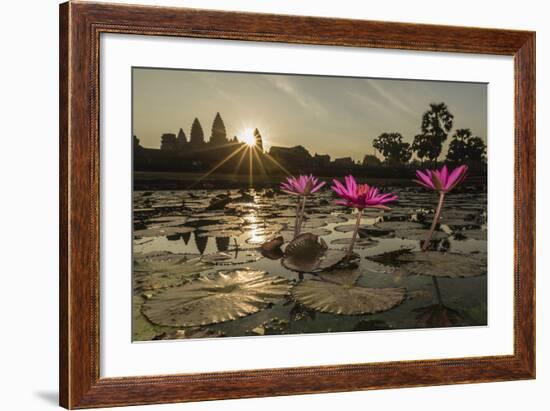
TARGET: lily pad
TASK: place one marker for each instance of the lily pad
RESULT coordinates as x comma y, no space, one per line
308,253
420,234
346,228
229,258
273,244
314,223
191,332
338,293
359,243
219,227
223,297
319,232
220,233
168,221
390,258
473,234
166,262
335,219
399,225
440,264
162,231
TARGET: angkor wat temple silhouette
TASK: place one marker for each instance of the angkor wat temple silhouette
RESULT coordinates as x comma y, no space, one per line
221,154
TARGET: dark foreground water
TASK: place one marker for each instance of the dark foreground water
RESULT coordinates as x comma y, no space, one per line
183,239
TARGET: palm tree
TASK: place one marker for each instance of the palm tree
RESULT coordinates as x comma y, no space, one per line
436,124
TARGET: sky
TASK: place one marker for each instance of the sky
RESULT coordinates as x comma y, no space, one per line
339,116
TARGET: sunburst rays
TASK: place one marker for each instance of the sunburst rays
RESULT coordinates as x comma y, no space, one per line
256,160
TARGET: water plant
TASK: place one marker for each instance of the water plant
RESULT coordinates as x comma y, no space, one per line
443,182
360,196
301,186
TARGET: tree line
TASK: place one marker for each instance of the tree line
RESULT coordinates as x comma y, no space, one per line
437,123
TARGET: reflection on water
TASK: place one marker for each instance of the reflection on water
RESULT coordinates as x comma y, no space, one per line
221,230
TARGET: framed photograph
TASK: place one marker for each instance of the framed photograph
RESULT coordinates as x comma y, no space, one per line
259,205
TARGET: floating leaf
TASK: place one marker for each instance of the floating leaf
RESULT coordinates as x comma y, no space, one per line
142,329
166,262
473,234
167,221
219,227
314,223
345,228
219,233
335,219
373,231
318,232
359,243
419,234
273,244
272,249
307,253
229,258
440,264
162,231
399,225
223,297
338,293
390,258
274,326
191,332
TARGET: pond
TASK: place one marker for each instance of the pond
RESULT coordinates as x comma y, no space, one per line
200,271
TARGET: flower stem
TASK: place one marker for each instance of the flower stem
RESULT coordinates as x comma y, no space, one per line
299,215
301,218
434,222
355,231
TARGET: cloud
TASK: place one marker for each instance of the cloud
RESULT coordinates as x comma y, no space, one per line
377,85
303,99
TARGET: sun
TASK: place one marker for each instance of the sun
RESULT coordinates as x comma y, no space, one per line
247,137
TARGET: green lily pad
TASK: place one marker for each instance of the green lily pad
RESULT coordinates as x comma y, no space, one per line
209,300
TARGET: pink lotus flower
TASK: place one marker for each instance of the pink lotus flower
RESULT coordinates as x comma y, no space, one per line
441,180
361,195
302,186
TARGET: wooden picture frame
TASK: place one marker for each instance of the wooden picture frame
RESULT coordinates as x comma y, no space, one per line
80,27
